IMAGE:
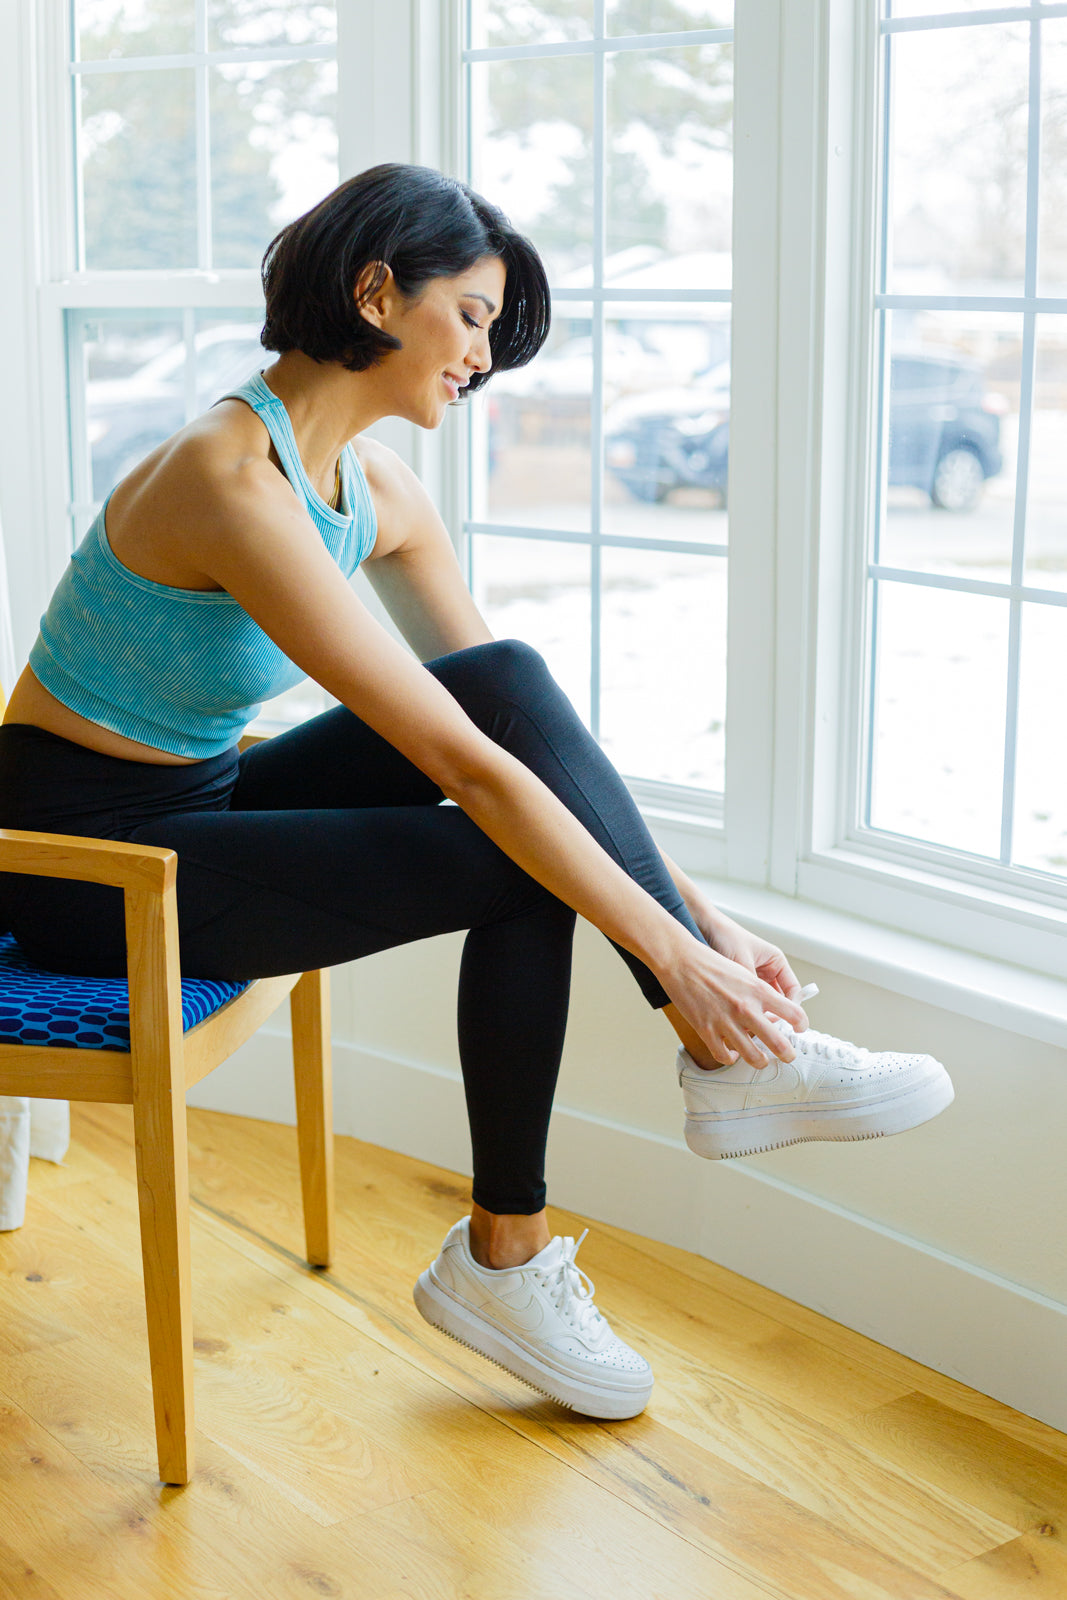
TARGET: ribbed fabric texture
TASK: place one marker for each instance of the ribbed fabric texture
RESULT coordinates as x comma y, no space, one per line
178,669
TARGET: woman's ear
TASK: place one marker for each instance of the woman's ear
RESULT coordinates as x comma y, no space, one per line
374,292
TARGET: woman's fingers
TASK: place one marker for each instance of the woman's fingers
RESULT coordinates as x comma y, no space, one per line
781,1006
734,1011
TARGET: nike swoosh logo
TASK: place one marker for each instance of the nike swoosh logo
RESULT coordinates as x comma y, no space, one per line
529,1317
785,1079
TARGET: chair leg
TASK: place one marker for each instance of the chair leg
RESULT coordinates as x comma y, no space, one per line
309,1006
163,1196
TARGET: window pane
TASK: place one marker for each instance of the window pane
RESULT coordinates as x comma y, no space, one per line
923,8
531,153
227,352
105,29
305,700
667,421
138,152
538,590
270,22
504,22
952,441
1046,510
133,370
669,169
663,672
1041,782
941,669
273,151
667,16
532,456
1052,233
958,147
141,385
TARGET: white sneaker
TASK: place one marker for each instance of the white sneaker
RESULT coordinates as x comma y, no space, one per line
538,1321
831,1090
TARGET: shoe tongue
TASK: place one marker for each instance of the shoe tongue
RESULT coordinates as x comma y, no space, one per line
550,1256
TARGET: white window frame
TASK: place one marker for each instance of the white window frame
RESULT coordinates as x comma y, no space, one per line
806,110
700,811
395,105
1006,914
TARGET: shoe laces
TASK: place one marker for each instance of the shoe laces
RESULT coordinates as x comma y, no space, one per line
813,1043
570,1290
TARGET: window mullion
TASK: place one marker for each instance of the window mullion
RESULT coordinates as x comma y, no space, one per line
596,398
752,622
1026,403
203,142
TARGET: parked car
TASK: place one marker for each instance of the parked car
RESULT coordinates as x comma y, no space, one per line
944,434
127,417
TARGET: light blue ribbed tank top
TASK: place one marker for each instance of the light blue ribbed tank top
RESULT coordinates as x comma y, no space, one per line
179,669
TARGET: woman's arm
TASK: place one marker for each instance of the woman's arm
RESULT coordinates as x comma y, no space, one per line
243,527
415,572
413,567
730,939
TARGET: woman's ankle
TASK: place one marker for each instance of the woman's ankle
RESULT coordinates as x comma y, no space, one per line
690,1040
500,1240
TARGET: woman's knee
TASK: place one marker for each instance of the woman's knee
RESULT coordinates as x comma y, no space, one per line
506,669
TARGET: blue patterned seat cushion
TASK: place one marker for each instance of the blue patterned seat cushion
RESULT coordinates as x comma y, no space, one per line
39,1007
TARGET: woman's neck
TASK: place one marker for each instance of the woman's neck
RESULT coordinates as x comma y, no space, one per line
327,406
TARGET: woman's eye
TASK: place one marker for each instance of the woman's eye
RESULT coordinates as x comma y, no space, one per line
472,322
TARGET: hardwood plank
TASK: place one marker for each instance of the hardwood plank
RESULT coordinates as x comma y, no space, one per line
894,1367
19,1580
567,1543
1034,1564
966,1456
625,1549
842,1483
908,1522
812,1466
685,1488
80,1536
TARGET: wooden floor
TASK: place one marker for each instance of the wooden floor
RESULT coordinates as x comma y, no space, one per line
346,1449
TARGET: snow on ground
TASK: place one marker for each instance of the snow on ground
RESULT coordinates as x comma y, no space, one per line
942,662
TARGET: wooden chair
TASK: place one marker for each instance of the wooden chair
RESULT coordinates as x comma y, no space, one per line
153,1073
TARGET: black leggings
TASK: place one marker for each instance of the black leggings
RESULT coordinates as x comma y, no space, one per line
325,844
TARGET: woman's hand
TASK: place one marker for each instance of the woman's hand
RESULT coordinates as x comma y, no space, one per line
749,950
731,940
726,1001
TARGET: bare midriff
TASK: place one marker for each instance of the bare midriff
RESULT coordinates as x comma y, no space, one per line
31,703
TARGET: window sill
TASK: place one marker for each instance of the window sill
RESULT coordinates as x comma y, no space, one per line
976,986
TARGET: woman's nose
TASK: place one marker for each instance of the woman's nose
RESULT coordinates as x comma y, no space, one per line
480,355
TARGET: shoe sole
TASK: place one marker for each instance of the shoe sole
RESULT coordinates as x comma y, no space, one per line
444,1310
719,1137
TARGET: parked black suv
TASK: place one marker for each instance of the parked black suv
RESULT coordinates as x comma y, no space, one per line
944,434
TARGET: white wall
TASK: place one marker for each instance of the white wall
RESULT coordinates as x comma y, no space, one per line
948,1243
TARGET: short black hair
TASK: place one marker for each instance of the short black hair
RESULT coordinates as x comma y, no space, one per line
422,225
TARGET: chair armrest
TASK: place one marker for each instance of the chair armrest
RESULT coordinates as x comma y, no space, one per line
60,855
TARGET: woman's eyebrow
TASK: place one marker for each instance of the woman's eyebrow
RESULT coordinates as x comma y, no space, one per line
473,294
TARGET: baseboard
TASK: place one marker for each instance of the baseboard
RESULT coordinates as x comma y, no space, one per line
997,1336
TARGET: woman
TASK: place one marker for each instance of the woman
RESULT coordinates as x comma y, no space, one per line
214,577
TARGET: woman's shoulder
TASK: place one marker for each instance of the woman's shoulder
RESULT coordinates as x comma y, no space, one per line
382,467
192,479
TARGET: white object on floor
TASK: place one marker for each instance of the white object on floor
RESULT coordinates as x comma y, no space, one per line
538,1321
831,1090
27,1128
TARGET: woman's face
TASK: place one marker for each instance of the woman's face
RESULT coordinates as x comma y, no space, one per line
444,333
